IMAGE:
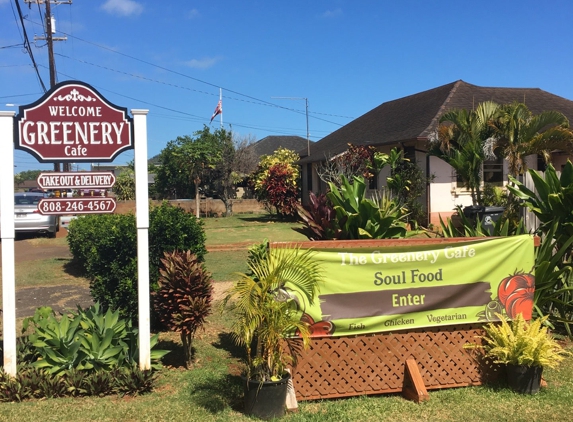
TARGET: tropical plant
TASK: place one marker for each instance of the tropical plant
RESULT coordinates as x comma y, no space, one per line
281,192
184,298
105,245
519,133
267,312
362,218
554,281
124,186
521,343
88,340
407,183
275,182
318,218
551,203
460,141
476,228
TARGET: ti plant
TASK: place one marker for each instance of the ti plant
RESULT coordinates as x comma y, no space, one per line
184,298
318,219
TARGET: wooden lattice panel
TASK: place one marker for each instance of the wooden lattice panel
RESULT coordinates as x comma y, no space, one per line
374,364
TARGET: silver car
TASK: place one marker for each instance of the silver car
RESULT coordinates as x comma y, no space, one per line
27,217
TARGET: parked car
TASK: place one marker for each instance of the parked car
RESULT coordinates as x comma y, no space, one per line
27,217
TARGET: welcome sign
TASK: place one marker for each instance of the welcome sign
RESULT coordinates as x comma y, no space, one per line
377,289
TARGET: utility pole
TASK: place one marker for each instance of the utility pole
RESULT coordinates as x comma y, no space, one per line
49,38
307,132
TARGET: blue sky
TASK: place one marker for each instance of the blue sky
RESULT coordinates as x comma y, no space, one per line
345,56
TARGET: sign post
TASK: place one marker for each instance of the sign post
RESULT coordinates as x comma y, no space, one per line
72,123
8,235
142,223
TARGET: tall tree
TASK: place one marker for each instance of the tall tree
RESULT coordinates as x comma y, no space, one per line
460,141
519,133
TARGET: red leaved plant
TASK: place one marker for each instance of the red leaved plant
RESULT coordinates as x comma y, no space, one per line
184,298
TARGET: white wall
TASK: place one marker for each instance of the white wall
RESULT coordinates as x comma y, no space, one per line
444,195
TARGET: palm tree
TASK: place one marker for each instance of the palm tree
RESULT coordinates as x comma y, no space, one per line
519,133
460,141
267,312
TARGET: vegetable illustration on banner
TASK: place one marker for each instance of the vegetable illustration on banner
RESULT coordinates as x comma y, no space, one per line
369,290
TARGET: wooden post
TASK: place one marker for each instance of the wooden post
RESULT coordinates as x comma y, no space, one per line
414,388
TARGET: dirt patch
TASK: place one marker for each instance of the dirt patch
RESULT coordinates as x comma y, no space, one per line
59,298
66,296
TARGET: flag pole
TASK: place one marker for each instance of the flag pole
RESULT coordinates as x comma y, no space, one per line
221,101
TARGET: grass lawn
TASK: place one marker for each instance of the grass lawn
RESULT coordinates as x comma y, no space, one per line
212,389
250,229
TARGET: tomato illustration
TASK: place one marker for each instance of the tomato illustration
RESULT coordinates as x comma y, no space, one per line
317,329
515,293
321,328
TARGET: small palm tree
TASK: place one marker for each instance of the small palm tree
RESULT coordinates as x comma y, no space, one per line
267,311
460,141
519,133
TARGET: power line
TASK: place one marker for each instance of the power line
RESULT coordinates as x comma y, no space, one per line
197,118
27,46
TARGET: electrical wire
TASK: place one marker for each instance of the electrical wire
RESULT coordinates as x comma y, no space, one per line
27,46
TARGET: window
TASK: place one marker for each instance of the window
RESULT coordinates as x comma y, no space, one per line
493,171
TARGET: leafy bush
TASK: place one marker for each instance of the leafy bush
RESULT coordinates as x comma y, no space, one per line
106,247
183,300
362,218
475,228
275,182
34,383
318,219
521,343
88,340
551,203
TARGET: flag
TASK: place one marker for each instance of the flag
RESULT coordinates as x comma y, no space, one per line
218,109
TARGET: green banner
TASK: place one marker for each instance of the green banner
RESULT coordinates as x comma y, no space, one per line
371,290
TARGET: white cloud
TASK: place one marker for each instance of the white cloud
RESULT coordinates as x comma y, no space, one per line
122,7
332,13
191,14
204,63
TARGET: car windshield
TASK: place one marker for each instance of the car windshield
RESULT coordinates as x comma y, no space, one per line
27,200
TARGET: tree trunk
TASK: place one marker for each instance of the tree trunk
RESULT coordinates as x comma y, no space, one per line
187,341
197,198
229,207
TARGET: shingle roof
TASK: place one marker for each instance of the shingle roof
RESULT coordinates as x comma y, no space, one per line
269,144
414,117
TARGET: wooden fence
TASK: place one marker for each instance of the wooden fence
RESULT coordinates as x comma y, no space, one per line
408,362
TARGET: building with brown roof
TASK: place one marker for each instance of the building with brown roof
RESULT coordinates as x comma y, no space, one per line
408,122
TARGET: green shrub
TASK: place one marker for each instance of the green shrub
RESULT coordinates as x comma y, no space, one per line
362,218
88,340
105,246
34,383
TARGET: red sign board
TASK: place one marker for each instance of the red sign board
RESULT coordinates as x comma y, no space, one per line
58,206
73,123
84,180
